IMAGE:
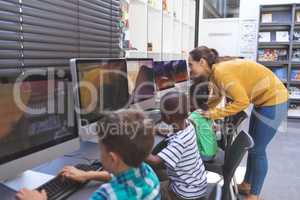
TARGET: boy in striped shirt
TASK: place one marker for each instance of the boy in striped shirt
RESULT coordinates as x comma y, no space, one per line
185,170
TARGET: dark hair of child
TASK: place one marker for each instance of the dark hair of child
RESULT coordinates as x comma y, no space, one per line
175,104
127,133
199,93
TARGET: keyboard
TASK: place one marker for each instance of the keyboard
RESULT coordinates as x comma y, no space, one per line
7,193
58,189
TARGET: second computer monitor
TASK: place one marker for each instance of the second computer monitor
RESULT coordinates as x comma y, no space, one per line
141,84
164,75
180,70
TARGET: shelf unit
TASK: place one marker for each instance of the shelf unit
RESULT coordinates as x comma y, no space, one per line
168,25
285,17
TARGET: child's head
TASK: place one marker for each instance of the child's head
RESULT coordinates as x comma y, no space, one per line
174,107
199,94
126,139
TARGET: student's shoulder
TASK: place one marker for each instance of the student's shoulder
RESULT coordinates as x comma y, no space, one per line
146,170
196,116
186,134
104,192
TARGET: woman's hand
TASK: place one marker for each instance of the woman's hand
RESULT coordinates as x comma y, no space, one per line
25,194
73,173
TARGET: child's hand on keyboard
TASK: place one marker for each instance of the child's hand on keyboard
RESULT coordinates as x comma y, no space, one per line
73,173
25,194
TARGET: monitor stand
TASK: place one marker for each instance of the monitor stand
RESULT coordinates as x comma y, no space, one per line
28,179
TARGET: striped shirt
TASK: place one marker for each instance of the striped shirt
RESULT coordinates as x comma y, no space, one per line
134,184
184,165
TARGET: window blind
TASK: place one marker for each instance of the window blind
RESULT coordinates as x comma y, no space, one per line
47,33
10,54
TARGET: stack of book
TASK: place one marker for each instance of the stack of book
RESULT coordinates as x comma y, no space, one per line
296,36
295,75
294,110
272,55
296,55
294,93
281,73
280,36
267,18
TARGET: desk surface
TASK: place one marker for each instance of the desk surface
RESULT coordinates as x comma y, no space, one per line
88,151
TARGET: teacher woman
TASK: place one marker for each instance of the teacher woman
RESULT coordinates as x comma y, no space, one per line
245,82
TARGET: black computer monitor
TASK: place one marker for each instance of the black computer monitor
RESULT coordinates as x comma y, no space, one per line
180,69
141,83
164,75
37,114
102,86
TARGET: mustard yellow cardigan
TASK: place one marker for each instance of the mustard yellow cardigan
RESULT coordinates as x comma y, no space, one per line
245,82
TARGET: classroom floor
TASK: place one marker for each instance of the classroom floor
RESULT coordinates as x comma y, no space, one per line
283,179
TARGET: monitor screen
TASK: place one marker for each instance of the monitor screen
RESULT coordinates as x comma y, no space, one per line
102,87
37,111
180,69
164,75
141,84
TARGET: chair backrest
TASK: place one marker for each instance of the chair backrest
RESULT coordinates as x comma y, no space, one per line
231,127
242,143
238,118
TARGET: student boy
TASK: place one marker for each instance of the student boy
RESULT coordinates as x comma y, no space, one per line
206,138
126,139
185,170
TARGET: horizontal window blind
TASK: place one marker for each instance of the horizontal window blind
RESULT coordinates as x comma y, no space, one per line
10,45
47,33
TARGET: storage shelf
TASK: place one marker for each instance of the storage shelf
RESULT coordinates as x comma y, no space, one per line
294,82
151,8
168,27
297,24
273,64
295,63
142,2
283,12
295,99
273,24
273,8
293,117
296,44
273,44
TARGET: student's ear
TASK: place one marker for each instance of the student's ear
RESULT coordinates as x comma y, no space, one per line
115,158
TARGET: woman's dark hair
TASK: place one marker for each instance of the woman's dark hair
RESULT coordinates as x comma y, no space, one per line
210,55
199,93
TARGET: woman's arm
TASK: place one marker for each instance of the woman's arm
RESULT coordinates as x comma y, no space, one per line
235,91
214,101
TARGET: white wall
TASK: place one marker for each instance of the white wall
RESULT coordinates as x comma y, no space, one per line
224,34
220,34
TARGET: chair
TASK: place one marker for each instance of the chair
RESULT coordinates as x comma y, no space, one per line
217,164
232,124
241,144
